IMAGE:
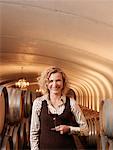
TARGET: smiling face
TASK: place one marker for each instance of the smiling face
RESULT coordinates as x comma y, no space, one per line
55,84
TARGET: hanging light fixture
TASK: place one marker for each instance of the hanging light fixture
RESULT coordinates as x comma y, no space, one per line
22,83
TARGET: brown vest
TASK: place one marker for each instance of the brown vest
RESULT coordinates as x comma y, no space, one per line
52,140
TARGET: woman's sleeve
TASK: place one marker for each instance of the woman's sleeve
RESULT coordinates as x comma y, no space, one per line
35,125
80,119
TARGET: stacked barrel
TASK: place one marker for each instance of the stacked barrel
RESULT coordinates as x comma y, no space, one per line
106,124
15,115
100,126
92,141
3,112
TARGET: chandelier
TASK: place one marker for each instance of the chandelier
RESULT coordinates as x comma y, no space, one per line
22,83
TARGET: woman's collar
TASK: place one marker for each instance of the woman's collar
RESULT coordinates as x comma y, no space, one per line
46,97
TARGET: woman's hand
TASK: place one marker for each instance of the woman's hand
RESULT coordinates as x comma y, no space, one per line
63,129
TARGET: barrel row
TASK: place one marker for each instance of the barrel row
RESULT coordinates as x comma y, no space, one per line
17,136
101,126
3,111
92,118
93,138
15,105
89,113
106,124
92,141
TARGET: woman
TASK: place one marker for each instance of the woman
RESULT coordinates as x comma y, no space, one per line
52,123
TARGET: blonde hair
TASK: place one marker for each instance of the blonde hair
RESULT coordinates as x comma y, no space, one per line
71,93
44,78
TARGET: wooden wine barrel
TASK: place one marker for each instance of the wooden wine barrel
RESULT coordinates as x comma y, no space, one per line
89,142
22,135
27,103
27,128
3,110
93,132
106,118
13,131
15,101
15,138
7,143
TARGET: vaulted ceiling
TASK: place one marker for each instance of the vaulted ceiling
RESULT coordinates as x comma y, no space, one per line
76,35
